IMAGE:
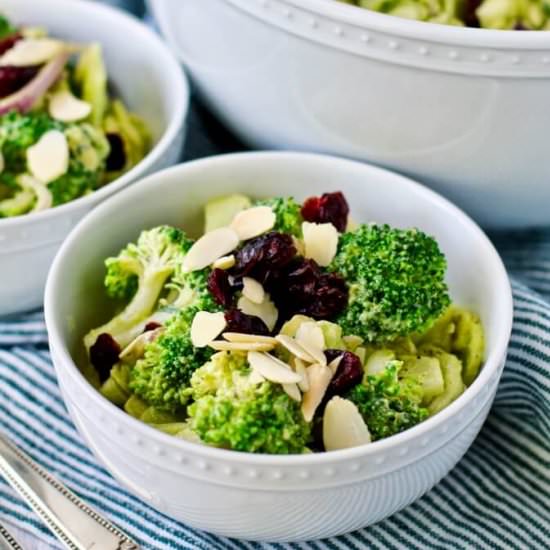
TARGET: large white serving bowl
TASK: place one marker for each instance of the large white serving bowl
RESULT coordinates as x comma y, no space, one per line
464,110
147,76
260,496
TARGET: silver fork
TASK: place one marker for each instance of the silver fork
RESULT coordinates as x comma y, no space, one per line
7,540
75,524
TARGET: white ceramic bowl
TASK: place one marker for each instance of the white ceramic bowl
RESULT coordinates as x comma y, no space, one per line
150,80
463,110
261,496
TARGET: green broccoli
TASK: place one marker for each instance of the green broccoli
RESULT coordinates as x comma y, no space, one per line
449,12
232,412
14,198
6,28
120,283
288,214
152,260
88,151
162,376
388,405
511,14
190,289
18,132
396,282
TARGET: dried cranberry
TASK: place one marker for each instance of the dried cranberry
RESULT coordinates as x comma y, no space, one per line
220,287
348,374
303,288
8,42
331,297
117,154
104,354
151,325
328,208
237,321
262,257
13,79
310,209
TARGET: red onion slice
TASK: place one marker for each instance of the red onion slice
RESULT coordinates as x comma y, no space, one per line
26,97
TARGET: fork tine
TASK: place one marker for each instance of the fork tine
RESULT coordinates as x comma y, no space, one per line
7,540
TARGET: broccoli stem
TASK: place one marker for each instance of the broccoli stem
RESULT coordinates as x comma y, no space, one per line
121,327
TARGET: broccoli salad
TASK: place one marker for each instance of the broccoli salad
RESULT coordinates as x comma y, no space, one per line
488,14
284,329
62,134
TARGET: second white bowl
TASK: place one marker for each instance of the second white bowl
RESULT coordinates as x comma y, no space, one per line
260,496
147,76
463,110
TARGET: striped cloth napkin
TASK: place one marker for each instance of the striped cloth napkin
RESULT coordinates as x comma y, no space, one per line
498,496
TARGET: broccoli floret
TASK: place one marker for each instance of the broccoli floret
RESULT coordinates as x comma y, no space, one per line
14,198
119,283
190,289
121,279
232,412
162,376
388,405
288,216
152,260
88,150
396,282
18,132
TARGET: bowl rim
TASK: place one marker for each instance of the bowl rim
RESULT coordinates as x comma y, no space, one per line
422,30
494,358
181,86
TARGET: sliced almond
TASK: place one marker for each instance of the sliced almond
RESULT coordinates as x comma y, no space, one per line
225,262
66,107
32,51
352,341
266,311
319,377
206,327
300,368
255,377
253,290
48,158
272,369
315,352
253,221
335,363
299,245
241,337
294,347
136,348
321,242
343,425
311,334
292,391
44,199
223,345
209,248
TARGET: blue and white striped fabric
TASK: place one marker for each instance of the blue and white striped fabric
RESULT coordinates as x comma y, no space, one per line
498,496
